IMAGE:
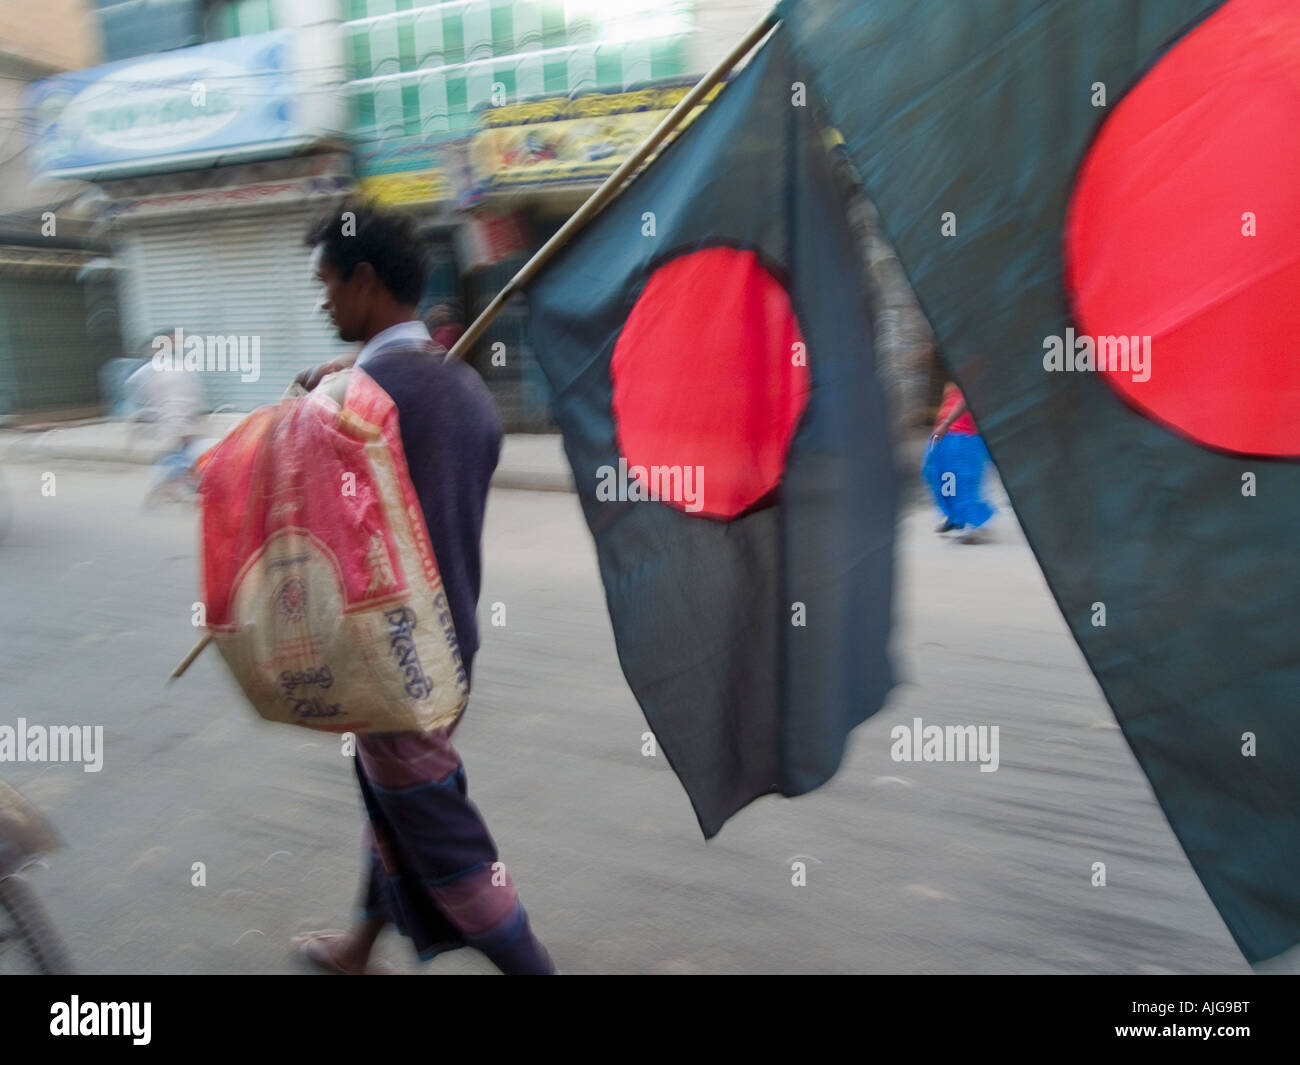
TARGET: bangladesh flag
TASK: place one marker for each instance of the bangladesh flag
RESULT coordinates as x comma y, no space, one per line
1097,203
710,354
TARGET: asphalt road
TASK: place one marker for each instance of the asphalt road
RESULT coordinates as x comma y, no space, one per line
911,867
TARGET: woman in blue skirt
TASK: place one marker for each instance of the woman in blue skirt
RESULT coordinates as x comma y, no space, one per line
954,467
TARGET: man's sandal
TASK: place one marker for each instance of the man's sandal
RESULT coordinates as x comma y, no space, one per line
316,948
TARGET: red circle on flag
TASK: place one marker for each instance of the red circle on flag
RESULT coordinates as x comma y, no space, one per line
710,378
1182,233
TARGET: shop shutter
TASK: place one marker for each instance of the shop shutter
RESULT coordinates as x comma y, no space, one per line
230,275
50,360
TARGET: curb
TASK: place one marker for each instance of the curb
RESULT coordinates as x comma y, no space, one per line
34,451
33,448
533,480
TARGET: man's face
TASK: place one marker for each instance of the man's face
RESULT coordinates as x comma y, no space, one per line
346,302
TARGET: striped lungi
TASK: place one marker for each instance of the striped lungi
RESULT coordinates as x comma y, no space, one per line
434,872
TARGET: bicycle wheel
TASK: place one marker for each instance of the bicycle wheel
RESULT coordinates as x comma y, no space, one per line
28,941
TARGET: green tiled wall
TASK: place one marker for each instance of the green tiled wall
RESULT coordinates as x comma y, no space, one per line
464,47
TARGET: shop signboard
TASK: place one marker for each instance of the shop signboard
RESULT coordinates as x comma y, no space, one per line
412,170
554,140
192,105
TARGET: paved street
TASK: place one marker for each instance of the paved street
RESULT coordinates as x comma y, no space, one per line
912,868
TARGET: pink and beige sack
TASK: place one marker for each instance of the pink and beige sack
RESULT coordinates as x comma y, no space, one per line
321,587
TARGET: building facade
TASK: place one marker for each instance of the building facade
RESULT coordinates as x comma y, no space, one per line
219,128
210,161
216,130
492,121
58,314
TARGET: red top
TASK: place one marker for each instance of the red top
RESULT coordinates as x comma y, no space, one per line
951,397
447,335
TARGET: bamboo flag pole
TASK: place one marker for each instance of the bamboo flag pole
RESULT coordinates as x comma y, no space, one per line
610,186
593,205
190,656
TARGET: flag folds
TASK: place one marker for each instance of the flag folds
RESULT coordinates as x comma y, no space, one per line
1095,202
708,345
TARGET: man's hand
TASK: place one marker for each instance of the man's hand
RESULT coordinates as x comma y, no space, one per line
310,378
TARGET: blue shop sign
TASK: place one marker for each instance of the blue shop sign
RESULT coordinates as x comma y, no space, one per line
190,105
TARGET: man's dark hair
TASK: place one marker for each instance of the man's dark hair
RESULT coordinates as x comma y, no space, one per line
356,233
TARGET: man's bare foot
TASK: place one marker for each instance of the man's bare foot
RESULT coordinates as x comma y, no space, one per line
336,951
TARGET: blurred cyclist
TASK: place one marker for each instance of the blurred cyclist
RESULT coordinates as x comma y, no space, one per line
171,400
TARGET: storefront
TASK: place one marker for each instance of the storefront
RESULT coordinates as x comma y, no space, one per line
476,116
213,160
58,323
471,252
423,176
227,260
532,165
488,198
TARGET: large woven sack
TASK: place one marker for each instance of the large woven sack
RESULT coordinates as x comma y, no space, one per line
320,583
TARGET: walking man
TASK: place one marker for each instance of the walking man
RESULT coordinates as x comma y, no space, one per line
433,870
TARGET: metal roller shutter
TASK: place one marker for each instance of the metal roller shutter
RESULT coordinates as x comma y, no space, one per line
230,275
48,358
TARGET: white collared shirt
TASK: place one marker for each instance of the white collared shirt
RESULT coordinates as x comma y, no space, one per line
414,330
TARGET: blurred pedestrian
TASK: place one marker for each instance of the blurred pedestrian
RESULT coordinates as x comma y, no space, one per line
433,869
955,464
446,324
170,401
